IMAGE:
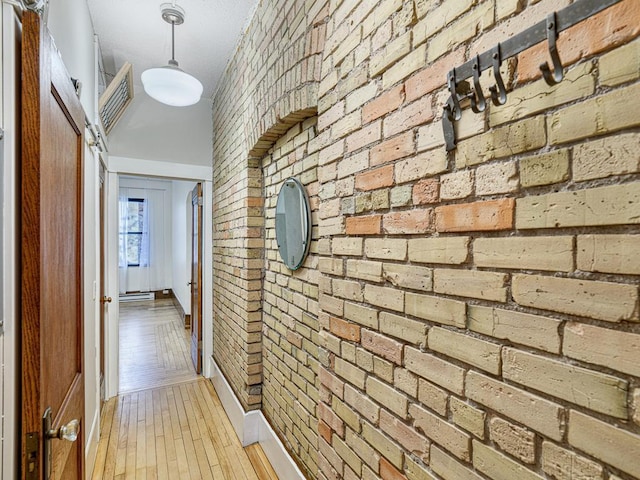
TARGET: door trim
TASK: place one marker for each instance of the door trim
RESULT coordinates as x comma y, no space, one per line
133,166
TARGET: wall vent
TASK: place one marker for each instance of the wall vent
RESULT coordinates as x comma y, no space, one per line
116,98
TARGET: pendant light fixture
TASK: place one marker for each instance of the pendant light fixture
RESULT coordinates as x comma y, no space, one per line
170,84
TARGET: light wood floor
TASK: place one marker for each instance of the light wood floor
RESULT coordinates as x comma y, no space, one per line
154,346
174,432
167,422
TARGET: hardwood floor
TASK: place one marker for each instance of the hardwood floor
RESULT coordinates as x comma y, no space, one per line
174,432
167,422
154,346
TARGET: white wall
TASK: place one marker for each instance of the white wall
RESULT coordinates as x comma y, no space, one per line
72,29
9,193
181,255
153,131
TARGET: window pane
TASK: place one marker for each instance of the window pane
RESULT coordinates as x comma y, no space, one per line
135,214
131,232
134,243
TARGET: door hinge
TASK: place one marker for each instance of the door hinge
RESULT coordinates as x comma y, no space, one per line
32,447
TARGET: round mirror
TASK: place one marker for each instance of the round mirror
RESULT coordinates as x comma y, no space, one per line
293,223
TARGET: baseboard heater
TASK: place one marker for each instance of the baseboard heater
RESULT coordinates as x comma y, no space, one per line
133,297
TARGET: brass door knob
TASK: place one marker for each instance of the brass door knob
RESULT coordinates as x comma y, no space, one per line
106,299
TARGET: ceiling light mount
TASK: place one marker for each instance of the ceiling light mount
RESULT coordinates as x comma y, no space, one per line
170,84
172,13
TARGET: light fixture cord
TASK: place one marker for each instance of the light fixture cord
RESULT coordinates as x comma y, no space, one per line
173,41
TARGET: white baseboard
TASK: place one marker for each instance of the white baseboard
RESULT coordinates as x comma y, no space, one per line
91,448
252,427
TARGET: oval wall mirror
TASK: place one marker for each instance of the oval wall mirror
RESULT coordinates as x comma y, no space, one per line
293,223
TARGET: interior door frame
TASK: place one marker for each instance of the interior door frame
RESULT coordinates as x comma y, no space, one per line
174,171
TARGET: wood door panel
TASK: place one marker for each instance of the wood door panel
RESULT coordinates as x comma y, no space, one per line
51,256
196,278
65,451
60,293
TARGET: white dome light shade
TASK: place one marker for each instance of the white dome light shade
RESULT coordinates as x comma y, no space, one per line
171,86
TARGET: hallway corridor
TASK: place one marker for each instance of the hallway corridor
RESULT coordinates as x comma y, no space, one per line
167,422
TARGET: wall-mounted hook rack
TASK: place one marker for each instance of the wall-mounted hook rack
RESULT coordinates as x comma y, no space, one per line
545,30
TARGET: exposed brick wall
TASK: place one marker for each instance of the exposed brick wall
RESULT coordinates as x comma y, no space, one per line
478,310
290,308
269,85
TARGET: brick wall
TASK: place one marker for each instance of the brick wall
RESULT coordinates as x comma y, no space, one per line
478,310
290,307
269,85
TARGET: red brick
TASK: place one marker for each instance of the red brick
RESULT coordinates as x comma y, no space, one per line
411,221
364,136
369,225
346,330
416,113
325,431
477,216
426,191
612,27
404,435
398,147
432,77
383,104
332,382
389,472
331,419
382,346
294,339
373,179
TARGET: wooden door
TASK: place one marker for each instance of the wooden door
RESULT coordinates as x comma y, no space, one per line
51,259
196,278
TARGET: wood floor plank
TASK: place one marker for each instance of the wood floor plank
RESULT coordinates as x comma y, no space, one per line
121,451
260,462
132,423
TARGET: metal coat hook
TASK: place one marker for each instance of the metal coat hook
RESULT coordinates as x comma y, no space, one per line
455,111
558,72
498,91
478,102
458,82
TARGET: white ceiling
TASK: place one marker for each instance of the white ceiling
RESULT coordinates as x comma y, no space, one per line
134,31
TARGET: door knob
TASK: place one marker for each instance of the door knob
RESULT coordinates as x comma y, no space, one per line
68,432
106,299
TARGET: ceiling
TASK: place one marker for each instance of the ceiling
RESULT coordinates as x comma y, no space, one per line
134,32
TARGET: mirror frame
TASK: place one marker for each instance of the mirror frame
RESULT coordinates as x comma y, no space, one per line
304,216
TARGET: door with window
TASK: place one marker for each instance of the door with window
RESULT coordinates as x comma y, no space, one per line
196,278
51,297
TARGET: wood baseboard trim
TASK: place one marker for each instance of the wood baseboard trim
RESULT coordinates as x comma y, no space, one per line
186,318
252,427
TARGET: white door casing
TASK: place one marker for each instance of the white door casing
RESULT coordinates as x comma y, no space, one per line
127,166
